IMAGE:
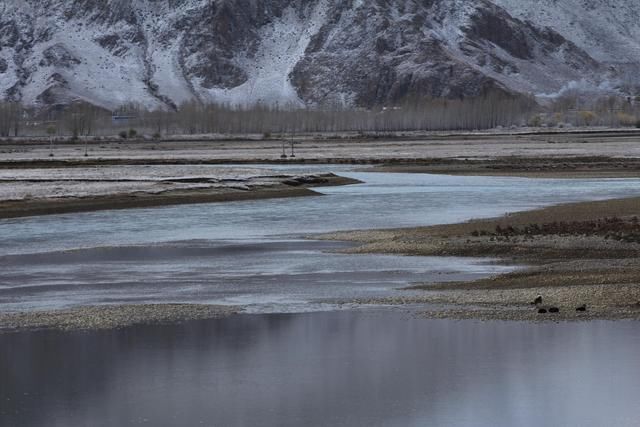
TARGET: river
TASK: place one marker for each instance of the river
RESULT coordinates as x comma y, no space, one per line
252,253
295,358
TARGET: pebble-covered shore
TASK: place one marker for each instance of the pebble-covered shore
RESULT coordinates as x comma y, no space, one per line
111,316
581,255
603,302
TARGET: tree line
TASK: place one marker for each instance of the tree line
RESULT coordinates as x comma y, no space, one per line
493,110
11,118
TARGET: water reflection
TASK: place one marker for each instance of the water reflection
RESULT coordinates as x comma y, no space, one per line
341,368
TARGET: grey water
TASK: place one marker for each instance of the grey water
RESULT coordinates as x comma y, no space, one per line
349,368
252,253
287,366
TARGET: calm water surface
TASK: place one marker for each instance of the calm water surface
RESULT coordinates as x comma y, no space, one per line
325,369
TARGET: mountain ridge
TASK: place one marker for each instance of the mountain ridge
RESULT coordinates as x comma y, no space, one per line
161,53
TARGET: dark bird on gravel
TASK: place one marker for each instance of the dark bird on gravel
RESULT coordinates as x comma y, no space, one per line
583,307
537,301
542,311
554,310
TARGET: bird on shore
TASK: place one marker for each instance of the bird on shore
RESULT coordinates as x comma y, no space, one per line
554,310
537,301
583,307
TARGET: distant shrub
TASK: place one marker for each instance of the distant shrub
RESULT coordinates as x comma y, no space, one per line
266,135
133,133
638,124
626,119
556,120
535,121
123,134
156,136
588,117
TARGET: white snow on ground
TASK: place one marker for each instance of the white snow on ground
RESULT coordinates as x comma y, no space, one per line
163,54
101,77
535,77
282,46
528,76
167,74
9,78
110,80
609,30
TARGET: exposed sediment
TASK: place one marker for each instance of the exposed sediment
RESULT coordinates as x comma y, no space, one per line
535,167
144,193
111,316
578,254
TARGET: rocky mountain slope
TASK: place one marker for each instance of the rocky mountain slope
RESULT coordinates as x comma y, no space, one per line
161,53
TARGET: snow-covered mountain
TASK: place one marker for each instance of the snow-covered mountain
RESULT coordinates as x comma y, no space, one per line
358,52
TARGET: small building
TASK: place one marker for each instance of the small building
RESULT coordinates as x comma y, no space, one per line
122,119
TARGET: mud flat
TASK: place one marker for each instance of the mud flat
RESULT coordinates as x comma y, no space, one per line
37,191
579,255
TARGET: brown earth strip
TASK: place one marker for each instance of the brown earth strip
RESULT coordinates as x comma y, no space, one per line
535,167
569,168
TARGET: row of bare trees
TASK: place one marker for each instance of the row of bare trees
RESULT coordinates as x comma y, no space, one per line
76,120
82,119
424,114
581,110
485,112
11,118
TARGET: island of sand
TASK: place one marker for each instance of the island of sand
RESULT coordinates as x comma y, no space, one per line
34,190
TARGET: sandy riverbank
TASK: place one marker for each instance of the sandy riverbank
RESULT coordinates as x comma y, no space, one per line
111,316
32,192
579,254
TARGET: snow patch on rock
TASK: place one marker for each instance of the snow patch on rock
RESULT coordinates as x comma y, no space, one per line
282,45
